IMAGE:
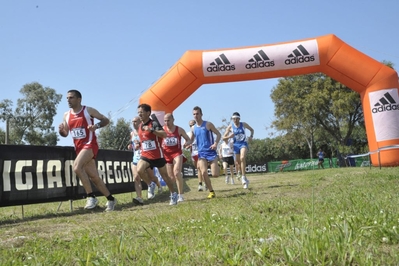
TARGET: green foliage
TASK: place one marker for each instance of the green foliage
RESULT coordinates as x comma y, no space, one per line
258,152
317,110
31,121
115,137
187,154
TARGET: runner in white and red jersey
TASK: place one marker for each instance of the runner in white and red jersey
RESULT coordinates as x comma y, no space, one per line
151,134
83,138
79,121
172,148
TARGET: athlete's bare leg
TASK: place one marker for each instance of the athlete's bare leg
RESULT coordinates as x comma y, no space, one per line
203,168
85,168
137,181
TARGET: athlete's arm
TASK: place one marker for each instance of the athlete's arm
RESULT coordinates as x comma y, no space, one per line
249,128
220,151
96,114
192,135
63,128
227,134
185,137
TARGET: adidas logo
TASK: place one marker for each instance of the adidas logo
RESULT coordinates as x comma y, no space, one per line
221,63
386,103
259,60
299,55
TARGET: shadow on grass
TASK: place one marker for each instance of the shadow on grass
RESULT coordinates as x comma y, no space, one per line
128,206
279,186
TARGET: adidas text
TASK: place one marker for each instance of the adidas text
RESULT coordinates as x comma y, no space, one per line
259,64
384,108
255,168
221,68
299,59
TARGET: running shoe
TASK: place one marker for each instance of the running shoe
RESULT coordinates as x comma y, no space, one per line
151,191
180,198
110,205
91,203
173,198
211,195
138,201
245,182
238,175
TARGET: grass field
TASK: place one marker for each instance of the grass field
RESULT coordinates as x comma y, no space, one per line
344,216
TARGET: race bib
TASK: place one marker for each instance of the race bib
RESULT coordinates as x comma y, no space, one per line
171,141
78,133
240,137
148,145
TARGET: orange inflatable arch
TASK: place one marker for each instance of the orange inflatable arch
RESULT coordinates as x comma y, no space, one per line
376,83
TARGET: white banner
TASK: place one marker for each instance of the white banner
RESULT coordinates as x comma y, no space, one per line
385,113
261,59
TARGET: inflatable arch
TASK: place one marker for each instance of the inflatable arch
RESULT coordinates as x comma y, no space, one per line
376,83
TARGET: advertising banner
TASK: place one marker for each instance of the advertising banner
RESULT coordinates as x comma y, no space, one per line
309,164
38,174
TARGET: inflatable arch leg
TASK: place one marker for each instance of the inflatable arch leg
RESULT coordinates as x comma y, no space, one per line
376,83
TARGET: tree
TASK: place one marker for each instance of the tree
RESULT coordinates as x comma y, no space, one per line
31,121
314,104
115,137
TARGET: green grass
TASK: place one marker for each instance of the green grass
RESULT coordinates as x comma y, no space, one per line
345,216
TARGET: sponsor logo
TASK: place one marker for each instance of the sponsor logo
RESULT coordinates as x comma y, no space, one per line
220,64
48,174
284,164
385,104
259,60
255,168
306,165
299,55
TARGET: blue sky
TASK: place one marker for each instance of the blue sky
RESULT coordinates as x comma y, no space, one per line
112,51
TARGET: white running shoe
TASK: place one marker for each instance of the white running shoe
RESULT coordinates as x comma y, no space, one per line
173,199
238,175
91,203
245,182
200,188
227,179
180,198
138,201
151,191
111,205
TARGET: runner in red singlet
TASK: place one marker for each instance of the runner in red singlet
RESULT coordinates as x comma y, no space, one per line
79,121
172,148
151,134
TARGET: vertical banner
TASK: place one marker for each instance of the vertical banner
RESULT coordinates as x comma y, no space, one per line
385,113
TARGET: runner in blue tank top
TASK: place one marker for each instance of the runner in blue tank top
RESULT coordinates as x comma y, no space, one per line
236,130
203,132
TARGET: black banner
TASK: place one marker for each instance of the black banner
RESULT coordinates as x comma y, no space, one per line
38,174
